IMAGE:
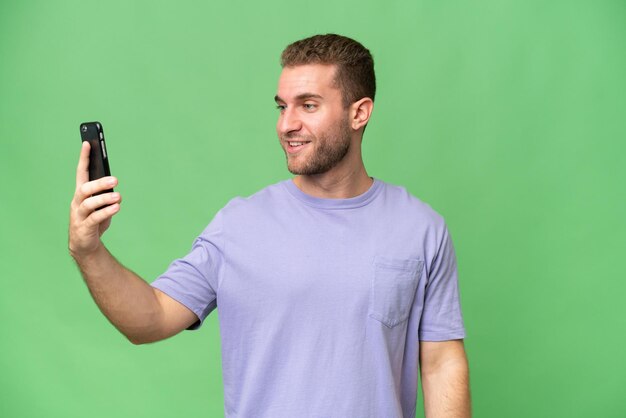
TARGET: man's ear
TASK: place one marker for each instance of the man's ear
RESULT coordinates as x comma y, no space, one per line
360,112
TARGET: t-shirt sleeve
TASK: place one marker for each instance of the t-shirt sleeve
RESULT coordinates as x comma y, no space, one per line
441,318
193,280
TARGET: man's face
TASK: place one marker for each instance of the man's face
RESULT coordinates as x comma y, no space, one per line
313,126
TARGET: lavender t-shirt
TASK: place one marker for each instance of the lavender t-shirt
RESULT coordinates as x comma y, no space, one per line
322,302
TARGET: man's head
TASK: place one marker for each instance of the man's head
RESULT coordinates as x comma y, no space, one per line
354,64
325,97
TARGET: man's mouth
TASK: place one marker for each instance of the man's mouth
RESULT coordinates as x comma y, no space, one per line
295,146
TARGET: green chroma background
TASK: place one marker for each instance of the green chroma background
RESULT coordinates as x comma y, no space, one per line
507,117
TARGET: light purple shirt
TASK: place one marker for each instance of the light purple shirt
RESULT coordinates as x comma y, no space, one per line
322,302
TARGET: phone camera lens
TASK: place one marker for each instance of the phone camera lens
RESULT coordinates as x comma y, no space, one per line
83,128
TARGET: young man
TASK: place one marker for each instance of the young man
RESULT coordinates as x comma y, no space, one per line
332,287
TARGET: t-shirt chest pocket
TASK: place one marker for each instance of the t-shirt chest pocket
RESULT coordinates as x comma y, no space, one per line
393,289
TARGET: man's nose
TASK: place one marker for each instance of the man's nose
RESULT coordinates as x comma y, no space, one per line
288,122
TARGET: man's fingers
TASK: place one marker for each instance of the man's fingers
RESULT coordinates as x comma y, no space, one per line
92,203
102,215
92,187
82,171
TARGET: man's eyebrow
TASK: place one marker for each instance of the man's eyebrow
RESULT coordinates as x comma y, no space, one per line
306,96
300,97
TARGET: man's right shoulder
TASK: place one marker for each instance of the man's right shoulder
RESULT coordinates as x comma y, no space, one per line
267,198
245,212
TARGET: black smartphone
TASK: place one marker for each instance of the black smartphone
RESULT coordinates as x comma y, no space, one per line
98,158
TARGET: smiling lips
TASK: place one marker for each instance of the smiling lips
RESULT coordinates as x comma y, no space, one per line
295,146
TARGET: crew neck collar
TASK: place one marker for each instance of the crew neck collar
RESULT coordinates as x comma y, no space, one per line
323,203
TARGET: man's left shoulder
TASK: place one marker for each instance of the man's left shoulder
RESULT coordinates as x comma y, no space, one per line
406,204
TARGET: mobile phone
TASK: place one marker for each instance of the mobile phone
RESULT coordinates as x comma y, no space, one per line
93,133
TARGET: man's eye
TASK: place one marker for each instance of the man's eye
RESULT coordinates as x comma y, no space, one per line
309,106
280,107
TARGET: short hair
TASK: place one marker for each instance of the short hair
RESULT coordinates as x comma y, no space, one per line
354,77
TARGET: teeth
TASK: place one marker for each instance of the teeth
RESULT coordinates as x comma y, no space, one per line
296,144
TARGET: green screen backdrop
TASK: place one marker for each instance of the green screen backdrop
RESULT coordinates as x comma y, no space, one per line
507,117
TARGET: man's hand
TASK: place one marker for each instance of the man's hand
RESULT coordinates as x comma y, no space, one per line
86,223
445,379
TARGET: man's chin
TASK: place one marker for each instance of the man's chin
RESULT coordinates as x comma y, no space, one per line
296,169
304,171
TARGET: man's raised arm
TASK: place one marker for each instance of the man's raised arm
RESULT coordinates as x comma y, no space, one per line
140,312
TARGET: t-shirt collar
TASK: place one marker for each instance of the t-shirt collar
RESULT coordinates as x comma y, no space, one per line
324,203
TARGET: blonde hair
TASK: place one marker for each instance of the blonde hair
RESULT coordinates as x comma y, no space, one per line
355,65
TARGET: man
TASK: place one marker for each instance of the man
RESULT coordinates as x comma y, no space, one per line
332,287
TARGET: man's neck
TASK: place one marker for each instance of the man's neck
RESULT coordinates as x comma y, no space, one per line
335,185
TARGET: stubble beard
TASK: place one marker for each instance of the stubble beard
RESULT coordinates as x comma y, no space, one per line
328,150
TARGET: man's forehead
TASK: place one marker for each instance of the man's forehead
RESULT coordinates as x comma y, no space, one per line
310,78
